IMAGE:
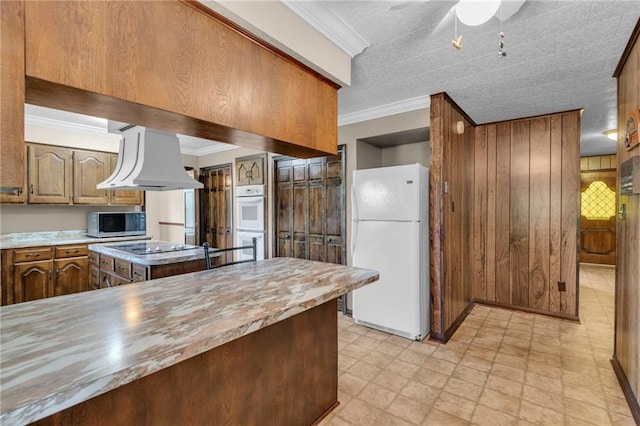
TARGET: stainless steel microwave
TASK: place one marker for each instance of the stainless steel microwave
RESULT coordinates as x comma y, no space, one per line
116,224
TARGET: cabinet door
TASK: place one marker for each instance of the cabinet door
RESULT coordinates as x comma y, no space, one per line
49,175
19,196
70,276
89,169
122,196
243,168
32,281
250,170
94,277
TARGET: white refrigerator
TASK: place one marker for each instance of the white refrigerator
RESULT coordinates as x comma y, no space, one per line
390,233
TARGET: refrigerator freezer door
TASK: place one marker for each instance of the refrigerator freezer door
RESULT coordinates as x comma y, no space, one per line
387,193
393,303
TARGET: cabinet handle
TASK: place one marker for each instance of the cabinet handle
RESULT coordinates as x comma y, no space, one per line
49,274
32,254
71,251
57,274
329,240
31,188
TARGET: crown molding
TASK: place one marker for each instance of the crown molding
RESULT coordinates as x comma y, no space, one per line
217,147
32,120
392,108
329,25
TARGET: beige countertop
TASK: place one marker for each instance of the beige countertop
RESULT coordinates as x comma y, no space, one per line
58,352
55,238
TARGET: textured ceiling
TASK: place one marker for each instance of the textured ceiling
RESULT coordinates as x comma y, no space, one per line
560,56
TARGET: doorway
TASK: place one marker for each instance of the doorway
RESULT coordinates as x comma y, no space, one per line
216,207
598,209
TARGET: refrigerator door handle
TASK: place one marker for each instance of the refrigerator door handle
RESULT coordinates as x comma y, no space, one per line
354,237
354,202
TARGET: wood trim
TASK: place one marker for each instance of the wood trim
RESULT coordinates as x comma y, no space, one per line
435,214
246,33
456,107
448,333
171,223
528,310
635,34
326,413
515,120
634,406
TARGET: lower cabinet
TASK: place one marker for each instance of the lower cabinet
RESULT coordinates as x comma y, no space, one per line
40,272
70,276
32,281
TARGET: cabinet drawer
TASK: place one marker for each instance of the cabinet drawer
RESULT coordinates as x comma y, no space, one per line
123,268
94,277
139,273
71,251
111,280
32,254
106,262
94,258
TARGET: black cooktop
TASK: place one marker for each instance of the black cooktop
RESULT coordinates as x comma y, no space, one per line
152,248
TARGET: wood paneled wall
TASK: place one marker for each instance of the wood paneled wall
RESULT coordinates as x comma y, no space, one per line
176,66
526,205
626,358
450,209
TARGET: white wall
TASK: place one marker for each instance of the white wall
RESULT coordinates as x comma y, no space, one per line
412,153
165,215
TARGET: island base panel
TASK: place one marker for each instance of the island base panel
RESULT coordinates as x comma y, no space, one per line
284,374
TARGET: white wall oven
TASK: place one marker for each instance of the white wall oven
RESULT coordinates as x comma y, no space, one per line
245,238
250,208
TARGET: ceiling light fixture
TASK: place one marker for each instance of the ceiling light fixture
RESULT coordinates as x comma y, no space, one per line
612,134
476,12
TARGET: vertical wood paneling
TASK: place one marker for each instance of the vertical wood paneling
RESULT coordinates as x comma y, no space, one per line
491,213
519,211
627,316
555,206
479,288
435,213
530,212
539,202
503,218
570,212
452,159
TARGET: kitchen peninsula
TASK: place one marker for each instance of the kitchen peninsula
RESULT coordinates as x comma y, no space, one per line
253,343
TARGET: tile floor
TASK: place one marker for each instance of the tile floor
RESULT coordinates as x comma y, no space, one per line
501,367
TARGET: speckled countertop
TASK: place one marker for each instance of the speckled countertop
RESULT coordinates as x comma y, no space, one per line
152,258
39,239
58,352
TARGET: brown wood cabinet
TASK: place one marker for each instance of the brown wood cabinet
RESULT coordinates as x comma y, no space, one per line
12,87
49,174
89,169
122,196
39,272
250,170
61,175
216,207
310,208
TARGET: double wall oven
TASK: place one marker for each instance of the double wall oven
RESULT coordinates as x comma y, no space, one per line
250,207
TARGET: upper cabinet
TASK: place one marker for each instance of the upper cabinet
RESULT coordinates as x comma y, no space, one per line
250,170
122,196
59,175
49,175
89,169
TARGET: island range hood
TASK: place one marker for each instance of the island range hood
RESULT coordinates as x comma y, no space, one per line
149,160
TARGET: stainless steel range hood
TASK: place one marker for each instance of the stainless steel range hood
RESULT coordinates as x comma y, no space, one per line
149,160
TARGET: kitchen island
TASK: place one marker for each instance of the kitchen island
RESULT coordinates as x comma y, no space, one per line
114,264
254,343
